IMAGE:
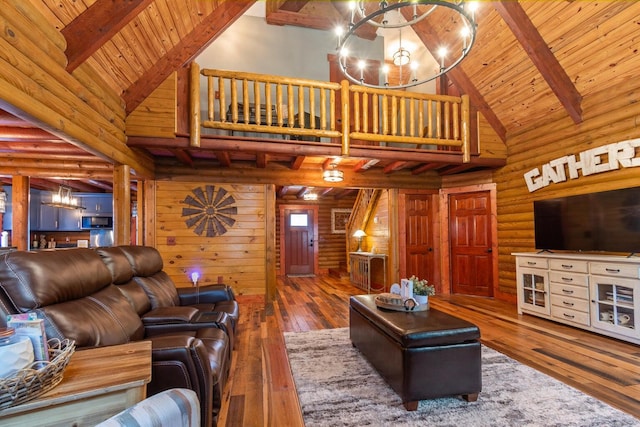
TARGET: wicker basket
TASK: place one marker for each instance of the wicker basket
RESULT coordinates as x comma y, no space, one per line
38,378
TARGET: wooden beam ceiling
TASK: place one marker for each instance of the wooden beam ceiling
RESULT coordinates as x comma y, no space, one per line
96,25
189,47
432,42
526,33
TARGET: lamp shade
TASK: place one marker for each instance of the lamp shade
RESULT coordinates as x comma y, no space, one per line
359,233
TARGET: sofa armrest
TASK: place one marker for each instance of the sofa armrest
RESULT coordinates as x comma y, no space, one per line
205,294
170,315
182,361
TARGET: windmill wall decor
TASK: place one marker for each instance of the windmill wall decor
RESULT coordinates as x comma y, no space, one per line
210,210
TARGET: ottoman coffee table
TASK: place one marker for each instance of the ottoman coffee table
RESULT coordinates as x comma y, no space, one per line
421,355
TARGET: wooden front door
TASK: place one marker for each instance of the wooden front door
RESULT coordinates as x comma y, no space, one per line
299,241
420,228
471,245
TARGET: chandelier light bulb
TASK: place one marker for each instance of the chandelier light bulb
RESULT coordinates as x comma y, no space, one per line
457,21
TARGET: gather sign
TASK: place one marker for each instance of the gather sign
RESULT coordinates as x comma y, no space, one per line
596,160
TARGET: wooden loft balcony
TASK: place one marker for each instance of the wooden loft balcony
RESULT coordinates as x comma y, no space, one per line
333,119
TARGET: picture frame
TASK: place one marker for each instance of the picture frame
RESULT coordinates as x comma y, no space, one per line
339,220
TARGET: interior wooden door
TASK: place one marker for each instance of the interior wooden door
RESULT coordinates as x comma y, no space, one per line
299,241
419,229
471,243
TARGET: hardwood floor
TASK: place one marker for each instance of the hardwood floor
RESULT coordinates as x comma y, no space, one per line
261,391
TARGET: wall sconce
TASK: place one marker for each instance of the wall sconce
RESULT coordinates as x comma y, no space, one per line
3,201
359,234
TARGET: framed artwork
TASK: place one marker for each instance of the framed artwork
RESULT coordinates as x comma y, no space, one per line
339,220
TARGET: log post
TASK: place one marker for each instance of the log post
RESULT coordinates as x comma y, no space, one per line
345,117
122,205
194,90
466,151
20,220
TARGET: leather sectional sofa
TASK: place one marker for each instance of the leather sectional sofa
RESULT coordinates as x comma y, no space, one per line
116,295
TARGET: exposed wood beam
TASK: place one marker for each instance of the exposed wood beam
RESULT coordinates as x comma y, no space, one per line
302,192
44,147
556,77
394,166
432,42
224,158
183,156
261,160
26,134
96,25
297,162
9,120
424,168
293,5
189,47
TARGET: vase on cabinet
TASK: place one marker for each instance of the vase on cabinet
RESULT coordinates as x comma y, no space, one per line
421,299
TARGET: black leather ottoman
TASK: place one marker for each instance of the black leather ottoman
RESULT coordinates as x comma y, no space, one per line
421,355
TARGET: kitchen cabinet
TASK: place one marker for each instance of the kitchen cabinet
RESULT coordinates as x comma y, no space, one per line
97,204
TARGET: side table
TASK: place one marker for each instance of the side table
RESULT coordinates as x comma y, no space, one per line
365,266
97,384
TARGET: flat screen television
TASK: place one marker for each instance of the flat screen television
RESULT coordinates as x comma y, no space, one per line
607,221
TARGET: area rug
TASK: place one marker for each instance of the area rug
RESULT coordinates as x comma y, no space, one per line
337,387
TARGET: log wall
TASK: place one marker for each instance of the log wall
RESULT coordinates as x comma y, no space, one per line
35,85
236,256
610,115
157,115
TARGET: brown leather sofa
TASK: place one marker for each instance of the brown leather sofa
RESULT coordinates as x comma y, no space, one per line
73,290
137,270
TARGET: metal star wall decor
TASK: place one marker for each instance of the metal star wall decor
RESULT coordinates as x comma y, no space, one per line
210,210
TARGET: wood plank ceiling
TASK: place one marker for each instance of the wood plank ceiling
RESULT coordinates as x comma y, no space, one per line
532,60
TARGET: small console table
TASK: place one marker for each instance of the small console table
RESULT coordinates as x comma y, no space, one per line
365,268
97,384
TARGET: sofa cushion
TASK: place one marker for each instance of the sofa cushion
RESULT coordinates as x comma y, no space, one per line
32,280
146,263
101,319
122,276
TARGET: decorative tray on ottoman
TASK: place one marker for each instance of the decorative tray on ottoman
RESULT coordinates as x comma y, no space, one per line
39,377
399,303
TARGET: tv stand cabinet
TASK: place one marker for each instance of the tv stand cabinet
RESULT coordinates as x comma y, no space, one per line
599,293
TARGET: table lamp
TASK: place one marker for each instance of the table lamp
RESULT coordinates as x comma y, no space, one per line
359,234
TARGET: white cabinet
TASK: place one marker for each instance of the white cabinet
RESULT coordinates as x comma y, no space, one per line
533,286
595,292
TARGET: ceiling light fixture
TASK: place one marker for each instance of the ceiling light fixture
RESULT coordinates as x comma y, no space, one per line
63,199
333,174
460,13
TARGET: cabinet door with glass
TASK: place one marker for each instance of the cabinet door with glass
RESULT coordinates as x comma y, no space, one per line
615,305
533,290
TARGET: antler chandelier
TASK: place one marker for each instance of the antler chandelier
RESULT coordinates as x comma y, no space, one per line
404,15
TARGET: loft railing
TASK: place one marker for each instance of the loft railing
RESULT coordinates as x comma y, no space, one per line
342,113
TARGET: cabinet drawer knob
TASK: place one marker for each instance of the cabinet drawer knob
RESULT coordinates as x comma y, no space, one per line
531,263
570,304
567,279
568,316
567,291
612,270
567,266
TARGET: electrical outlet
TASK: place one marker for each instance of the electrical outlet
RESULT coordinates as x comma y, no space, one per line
171,241
216,95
